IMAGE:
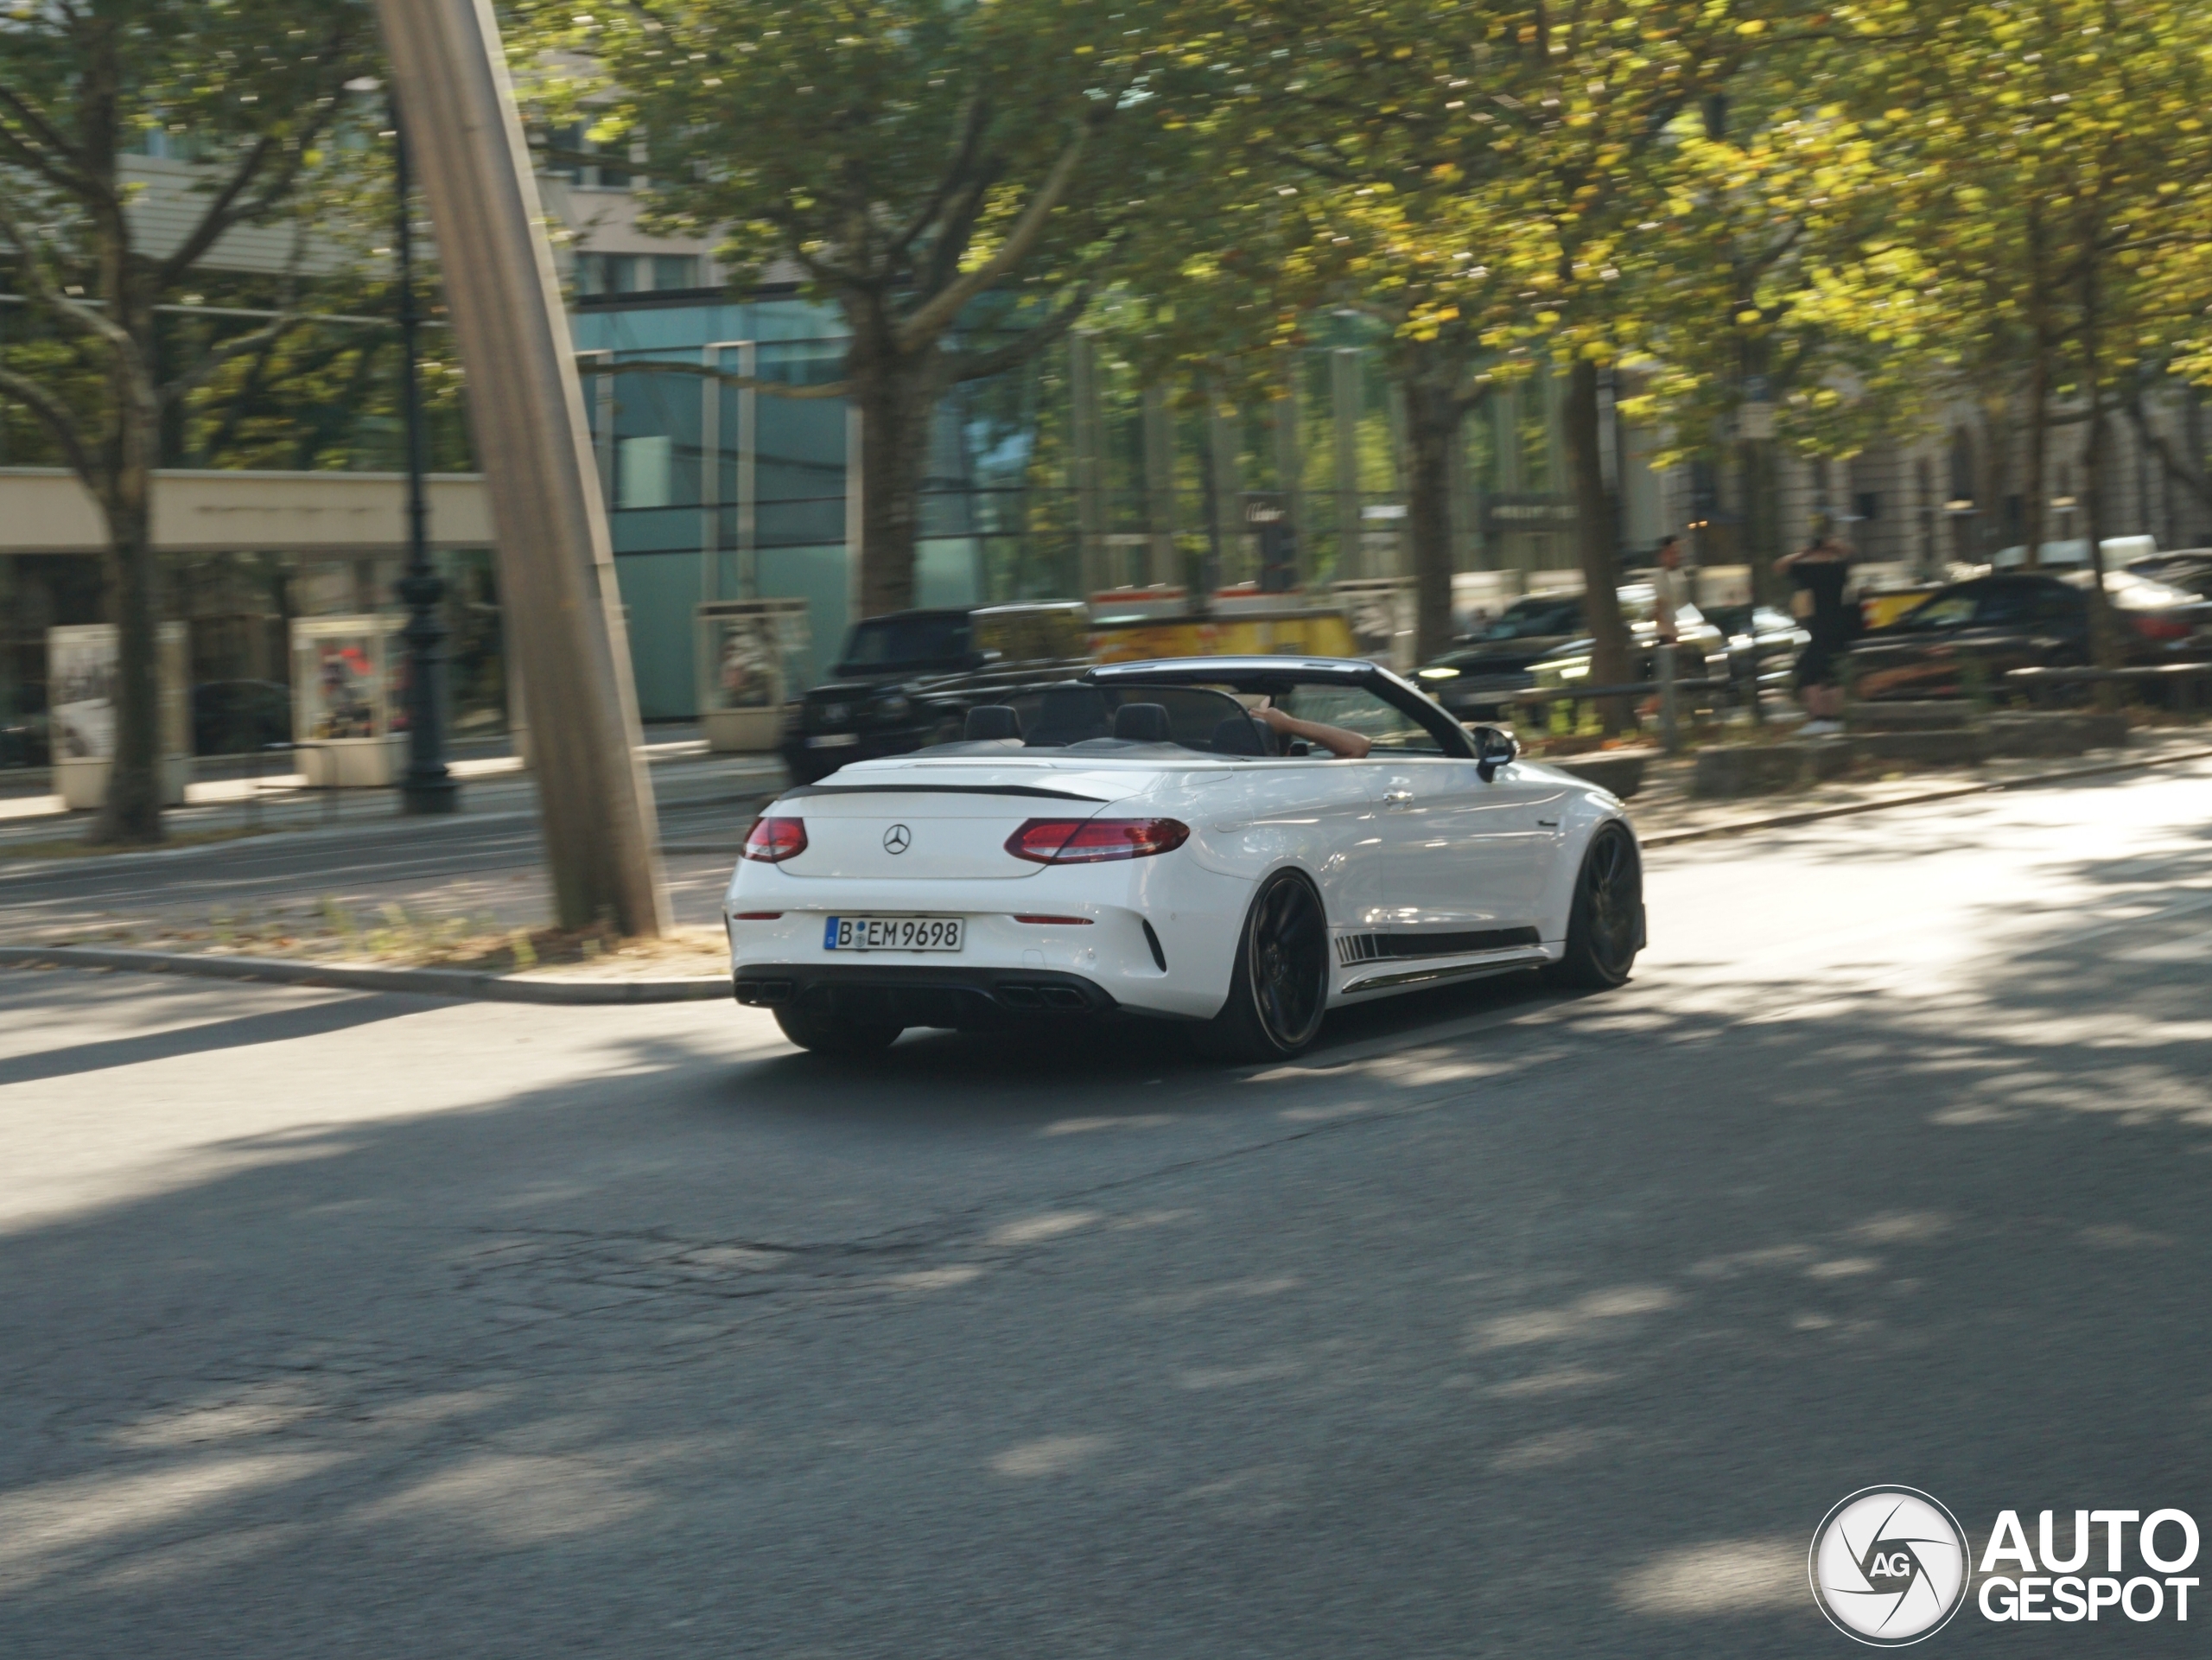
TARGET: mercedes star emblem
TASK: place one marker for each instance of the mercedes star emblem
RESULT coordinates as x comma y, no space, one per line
897,839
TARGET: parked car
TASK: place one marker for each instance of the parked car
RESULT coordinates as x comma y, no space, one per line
238,717
1770,634
1473,681
2189,569
1974,632
910,678
1500,656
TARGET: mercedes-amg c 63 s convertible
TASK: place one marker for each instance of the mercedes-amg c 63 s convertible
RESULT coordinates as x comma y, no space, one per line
1240,844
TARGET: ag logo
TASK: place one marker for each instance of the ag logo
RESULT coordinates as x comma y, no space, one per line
1888,1566
897,839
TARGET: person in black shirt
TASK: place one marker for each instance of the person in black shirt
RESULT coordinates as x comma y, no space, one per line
1821,572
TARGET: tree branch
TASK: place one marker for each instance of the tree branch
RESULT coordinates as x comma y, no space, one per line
51,410
230,207
935,316
218,217
221,352
43,289
2162,446
961,166
72,177
267,335
980,366
958,230
703,371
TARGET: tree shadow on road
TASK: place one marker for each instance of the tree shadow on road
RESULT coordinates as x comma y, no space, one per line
1555,1335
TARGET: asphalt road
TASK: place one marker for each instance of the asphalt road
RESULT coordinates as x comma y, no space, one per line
1500,1325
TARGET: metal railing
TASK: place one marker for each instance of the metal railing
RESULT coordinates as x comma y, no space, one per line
2181,678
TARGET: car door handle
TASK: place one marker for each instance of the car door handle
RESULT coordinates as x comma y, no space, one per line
1397,798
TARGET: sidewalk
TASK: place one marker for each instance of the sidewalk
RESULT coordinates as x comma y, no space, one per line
683,771
1665,812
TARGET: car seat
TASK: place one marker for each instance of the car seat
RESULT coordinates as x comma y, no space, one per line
1240,735
1142,723
1072,713
988,722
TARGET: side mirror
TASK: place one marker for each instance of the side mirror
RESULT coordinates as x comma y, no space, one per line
1494,746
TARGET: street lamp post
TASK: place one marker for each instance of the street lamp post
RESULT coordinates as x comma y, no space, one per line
429,787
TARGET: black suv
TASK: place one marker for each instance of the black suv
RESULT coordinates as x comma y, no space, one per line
909,680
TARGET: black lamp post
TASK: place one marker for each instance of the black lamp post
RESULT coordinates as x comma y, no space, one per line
429,787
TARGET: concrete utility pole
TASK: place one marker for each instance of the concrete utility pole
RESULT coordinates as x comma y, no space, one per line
556,564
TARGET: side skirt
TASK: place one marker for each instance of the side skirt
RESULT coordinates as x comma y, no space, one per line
1495,962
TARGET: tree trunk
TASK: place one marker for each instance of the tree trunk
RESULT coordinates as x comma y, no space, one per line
1996,473
1761,521
2103,638
897,398
2037,487
2192,434
1434,415
131,814
1593,528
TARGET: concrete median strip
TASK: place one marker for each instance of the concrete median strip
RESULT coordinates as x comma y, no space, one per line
1917,797
432,982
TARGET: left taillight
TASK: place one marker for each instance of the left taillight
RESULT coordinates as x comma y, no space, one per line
771,841
1094,841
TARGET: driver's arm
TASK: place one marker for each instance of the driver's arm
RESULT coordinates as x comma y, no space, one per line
1344,745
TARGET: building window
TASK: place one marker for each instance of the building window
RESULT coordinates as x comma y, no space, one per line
636,273
569,148
606,273
643,471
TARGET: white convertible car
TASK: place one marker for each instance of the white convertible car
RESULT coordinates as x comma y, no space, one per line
1237,843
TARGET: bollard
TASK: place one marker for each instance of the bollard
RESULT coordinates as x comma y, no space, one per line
1670,711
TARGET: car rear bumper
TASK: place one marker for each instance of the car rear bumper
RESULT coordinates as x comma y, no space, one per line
966,997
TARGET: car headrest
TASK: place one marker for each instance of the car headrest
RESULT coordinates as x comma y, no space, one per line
1072,713
1142,722
1240,735
988,721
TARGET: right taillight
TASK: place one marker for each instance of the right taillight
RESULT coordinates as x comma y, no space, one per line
2154,626
1094,841
771,841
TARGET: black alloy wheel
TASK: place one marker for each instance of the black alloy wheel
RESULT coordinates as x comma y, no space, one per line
1279,989
1605,928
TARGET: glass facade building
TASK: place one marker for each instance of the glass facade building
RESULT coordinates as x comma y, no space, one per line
1063,477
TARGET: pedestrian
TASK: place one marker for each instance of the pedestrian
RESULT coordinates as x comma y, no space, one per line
1820,572
1670,589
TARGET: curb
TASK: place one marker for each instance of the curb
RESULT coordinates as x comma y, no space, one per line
434,982
1952,793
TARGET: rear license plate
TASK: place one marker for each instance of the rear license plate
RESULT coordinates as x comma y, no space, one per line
892,933
833,740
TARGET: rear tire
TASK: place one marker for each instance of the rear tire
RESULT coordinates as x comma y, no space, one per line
1604,925
833,1034
1279,989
